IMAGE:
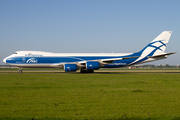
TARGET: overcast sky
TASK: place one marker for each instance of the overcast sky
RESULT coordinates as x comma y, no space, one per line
88,26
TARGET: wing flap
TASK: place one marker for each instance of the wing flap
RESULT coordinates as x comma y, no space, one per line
107,61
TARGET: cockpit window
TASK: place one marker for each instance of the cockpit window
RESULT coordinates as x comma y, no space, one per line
15,52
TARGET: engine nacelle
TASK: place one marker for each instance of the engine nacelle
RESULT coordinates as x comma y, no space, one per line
92,65
70,67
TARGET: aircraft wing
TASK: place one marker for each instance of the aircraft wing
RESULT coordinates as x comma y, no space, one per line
107,61
83,63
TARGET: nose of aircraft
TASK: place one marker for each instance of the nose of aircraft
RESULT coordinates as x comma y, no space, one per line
4,60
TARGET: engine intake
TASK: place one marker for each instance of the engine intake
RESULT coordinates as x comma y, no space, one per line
94,65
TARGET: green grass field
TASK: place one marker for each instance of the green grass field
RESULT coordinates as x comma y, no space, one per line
90,96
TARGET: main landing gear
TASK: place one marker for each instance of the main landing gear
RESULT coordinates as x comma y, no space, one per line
86,71
20,71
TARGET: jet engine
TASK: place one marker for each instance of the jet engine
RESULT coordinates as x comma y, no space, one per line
93,65
70,67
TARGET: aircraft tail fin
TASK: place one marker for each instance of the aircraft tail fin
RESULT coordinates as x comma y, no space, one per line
158,45
155,49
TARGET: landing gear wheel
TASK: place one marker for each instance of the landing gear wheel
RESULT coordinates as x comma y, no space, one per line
83,71
20,71
87,71
90,71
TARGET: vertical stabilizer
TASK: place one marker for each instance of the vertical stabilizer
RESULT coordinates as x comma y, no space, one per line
161,41
158,45
154,48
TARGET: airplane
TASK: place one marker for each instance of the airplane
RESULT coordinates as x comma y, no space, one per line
88,62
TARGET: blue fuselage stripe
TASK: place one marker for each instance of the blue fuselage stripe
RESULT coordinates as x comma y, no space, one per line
53,60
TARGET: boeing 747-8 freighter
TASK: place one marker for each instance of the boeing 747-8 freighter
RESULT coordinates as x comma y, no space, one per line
88,62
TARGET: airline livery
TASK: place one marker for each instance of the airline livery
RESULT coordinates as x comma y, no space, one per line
88,62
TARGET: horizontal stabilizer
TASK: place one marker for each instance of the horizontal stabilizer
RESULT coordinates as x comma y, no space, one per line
161,55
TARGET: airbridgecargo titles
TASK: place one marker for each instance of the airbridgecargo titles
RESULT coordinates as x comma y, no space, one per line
88,62
33,55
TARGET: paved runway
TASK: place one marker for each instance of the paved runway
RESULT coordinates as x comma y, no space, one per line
95,72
